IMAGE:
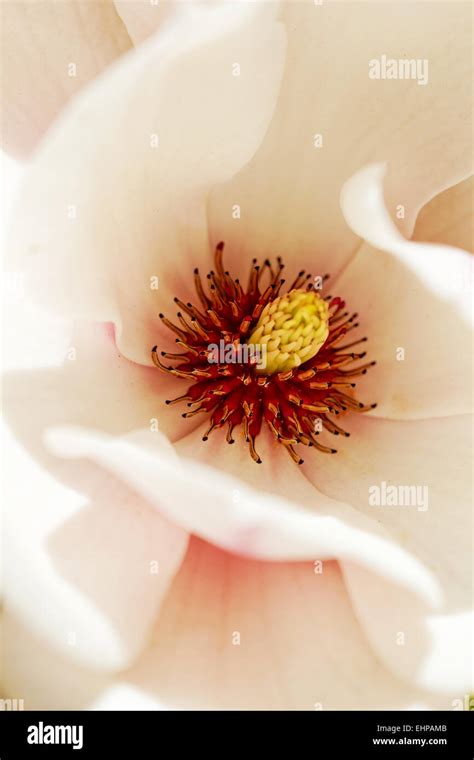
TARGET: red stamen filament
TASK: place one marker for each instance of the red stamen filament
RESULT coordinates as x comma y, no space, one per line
295,405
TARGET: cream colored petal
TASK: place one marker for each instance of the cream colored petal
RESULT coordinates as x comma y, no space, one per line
415,479
50,51
233,634
142,18
57,372
123,222
264,635
332,119
415,307
42,676
268,512
447,218
86,561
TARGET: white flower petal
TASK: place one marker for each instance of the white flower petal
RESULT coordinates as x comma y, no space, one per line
142,18
433,524
34,671
415,307
447,218
432,651
77,376
278,516
332,119
86,562
155,133
50,50
233,634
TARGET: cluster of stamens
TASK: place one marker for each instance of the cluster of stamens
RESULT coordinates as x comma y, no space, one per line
296,404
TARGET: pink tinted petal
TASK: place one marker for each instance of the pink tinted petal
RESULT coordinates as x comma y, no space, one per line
301,647
80,545
433,524
131,202
50,51
332,119
447,218
142,18
76,375
279,516
415,306
87,562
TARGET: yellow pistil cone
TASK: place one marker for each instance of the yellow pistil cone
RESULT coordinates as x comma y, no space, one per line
290,331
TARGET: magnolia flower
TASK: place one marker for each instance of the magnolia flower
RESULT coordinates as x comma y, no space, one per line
145,567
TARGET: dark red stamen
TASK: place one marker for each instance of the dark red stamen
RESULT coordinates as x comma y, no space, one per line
295,405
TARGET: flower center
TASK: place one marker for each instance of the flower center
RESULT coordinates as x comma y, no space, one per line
291,330
253,357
